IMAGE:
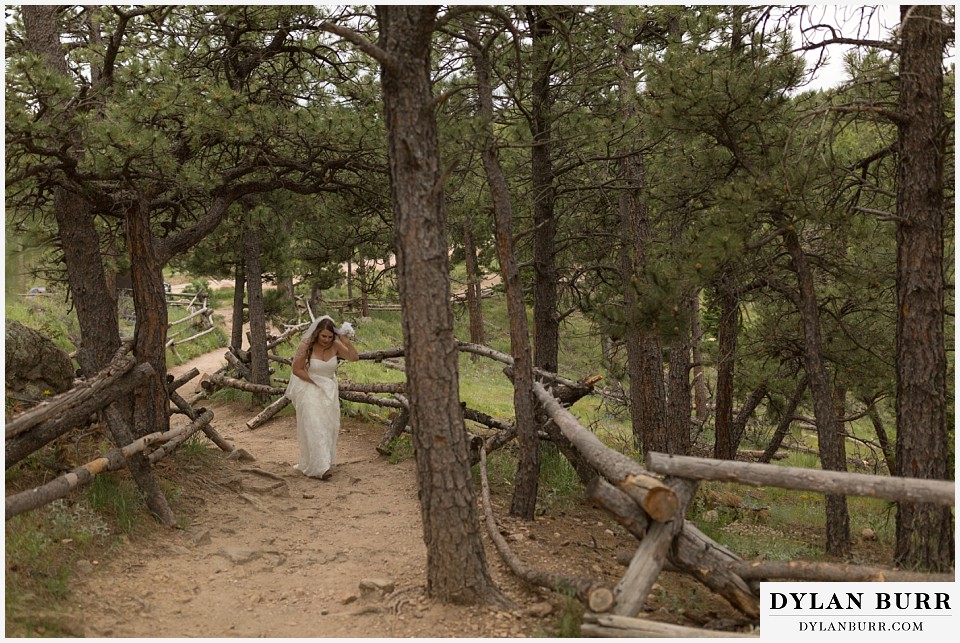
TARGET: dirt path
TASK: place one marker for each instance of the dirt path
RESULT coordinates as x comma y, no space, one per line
268,552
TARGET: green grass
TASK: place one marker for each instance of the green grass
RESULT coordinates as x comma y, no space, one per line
43,546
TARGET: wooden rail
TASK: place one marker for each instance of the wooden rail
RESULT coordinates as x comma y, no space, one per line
937,492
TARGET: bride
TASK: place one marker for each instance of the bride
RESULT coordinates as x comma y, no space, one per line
314,393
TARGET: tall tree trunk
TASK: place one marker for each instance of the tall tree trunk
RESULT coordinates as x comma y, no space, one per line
644,355
259,368
96,308
545,281
678,398
474,301
830,441
524,501
700,394
239,287
724,447
456,565
925,533
149,300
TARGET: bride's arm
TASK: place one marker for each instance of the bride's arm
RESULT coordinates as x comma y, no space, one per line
347,350
299,364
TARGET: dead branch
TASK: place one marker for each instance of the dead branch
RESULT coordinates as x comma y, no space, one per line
589,591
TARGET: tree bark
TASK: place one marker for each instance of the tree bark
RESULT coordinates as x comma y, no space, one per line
886,448
259,367
700,394
743,415
524,500
239,286
545,280
644,356
149,346
925,534
724,447
474,302
678,399
830,441
456,564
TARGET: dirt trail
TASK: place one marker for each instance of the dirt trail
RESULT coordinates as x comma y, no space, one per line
268,552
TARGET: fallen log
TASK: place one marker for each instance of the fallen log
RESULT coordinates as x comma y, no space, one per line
657,499
710,563
380,355
830,572
238,366
32,498
588,591
191,338
81,394
692,552
77,413
193,414
139,467
760,456
503,358
202,311
613,626
287,334
215,380
281,403
939,492
633,589
397,427
373,387
624,510
174,383
367,398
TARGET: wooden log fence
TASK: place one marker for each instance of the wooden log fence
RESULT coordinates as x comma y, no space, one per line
590,591
81,393
651,509
614,626
30,499
830,572
939,492
66,413
657,499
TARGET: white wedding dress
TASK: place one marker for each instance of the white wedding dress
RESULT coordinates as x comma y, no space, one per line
318,416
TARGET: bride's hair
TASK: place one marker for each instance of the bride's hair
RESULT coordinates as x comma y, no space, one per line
325,324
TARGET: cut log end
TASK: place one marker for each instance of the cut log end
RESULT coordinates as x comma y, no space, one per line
661,504
600,600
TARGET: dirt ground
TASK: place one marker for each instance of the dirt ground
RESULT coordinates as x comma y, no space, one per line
268,552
